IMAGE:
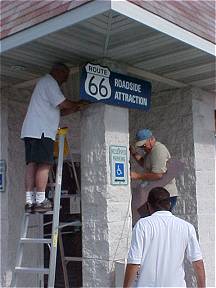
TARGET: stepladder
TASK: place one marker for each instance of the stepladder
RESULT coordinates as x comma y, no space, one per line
54,240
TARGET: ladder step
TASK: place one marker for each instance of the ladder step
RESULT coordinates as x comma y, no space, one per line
73,223
32,270
37,213
36,240
47,213
71,259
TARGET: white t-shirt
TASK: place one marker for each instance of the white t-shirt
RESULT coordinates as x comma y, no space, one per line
159,243
43,113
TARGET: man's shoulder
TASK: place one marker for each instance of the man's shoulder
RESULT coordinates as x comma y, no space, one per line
47,78
183,222
159,149
159,145
167,216
144,221
149,219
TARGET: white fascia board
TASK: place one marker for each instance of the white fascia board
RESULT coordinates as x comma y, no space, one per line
158,23
64,20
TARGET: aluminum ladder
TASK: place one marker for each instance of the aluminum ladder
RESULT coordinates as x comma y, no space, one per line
53,241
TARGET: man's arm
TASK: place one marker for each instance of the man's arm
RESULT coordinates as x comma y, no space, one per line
130,274
68,106
146,176
139,159
142,176
200,273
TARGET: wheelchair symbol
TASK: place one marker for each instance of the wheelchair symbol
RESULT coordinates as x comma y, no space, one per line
119,169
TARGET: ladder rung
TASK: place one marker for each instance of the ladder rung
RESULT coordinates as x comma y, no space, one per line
32,270
73,223
45,213
76,259
36,240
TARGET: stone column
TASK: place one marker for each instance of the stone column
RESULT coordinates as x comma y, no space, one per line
204,149
4,195
183,119
106,216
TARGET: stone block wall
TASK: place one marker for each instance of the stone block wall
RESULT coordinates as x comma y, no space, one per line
3,195
105,207
182,119
13,107
171,122
13,198
204,146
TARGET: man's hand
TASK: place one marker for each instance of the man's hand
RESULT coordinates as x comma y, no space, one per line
67,106
132,150
83,105
136,155
130,275
135,175
149,176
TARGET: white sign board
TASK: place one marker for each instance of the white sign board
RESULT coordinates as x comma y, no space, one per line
118,165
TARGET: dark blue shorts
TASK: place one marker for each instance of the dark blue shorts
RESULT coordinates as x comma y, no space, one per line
39,151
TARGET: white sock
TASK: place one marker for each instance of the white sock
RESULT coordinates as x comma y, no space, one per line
40,197
30,197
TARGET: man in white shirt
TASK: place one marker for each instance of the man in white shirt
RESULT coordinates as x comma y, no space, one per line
39,131
159,244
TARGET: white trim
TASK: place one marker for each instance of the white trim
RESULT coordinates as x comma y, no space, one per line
147,18
64,20
96,7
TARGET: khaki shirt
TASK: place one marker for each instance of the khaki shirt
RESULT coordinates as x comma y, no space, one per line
155,161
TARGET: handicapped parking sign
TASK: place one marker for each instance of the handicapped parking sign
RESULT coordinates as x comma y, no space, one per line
119,169
118,165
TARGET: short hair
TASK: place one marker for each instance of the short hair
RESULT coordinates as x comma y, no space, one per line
159,199
59,66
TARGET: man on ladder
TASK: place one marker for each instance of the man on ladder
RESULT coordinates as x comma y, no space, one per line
56,228
39,131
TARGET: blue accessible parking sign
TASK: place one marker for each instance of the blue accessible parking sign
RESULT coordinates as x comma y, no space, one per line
118,165
119,169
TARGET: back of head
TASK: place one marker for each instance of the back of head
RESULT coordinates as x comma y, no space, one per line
60,72
159,199
59,67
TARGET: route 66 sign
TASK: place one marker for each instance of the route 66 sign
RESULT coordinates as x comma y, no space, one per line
97,82
100,84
